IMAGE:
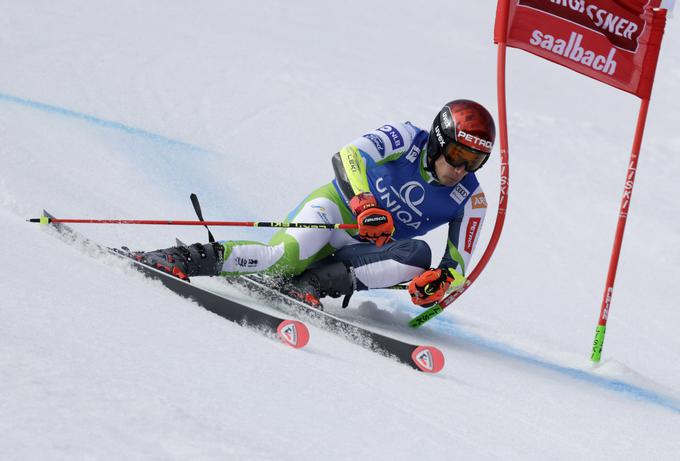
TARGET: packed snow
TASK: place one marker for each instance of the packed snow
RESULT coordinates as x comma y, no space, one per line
122,109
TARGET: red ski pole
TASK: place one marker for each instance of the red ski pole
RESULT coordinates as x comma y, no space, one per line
177,222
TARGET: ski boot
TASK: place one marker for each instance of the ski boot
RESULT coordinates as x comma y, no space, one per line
332,280
185,261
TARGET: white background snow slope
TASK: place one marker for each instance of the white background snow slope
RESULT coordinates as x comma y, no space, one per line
122,109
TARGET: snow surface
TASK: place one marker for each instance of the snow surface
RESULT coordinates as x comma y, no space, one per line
122,109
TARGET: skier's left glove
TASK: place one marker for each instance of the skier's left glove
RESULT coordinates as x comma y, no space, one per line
429,288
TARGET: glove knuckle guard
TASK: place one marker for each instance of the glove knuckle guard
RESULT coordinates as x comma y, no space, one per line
429,287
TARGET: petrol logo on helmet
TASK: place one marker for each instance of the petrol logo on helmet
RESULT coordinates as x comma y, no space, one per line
475,140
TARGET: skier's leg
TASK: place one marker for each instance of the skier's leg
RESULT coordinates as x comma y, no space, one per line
291,251
364,266
395,262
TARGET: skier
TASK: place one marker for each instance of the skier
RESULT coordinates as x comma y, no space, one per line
397,182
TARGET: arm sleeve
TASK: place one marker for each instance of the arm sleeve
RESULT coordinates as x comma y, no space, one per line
385,144
464,230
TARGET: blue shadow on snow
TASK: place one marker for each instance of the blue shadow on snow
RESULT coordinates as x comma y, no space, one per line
97,121
447,326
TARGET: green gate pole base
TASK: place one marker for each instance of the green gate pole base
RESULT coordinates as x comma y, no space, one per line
598,342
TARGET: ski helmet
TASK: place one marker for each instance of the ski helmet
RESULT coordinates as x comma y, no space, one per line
464,132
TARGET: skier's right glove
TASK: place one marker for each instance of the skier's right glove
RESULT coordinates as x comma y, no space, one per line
429,287
375,224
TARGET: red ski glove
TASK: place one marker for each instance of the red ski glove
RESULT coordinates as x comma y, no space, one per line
375,224
429,287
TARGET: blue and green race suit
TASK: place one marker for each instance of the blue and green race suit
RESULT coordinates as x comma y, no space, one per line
389,162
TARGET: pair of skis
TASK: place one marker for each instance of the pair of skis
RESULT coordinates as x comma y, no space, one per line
293,333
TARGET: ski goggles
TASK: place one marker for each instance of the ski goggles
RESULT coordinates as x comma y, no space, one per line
458,155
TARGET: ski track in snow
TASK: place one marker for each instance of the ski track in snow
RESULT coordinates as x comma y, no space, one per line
98,121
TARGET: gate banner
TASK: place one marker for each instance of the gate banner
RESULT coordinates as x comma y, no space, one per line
614,41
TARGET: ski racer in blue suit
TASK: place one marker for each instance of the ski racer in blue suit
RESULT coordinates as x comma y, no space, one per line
397,183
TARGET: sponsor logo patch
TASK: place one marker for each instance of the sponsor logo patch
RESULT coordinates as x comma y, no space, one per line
375,220
395,137
377,142
471,233
413,154
459,193
440,137
425,360
293,333
402,203
623,31
478,200
447,119
475,140
572,49
245,262
321,213
290,333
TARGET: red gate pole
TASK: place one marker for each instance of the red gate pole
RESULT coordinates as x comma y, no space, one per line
505,166
438,308
620,228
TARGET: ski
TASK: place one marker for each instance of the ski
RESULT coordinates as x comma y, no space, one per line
293,333
427,359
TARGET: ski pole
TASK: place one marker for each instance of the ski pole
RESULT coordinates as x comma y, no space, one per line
48,220
435,310
177,222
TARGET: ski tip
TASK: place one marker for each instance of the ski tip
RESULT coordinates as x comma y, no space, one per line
428,359
293,333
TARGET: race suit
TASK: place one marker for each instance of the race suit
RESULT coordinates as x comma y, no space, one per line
390,163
